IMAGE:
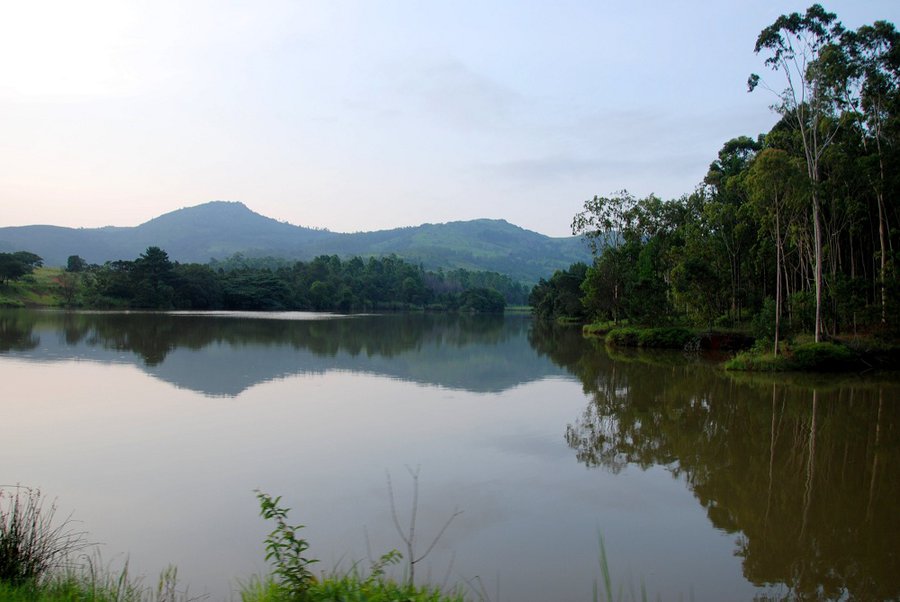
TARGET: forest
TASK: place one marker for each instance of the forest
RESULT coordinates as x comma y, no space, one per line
794,230
327,283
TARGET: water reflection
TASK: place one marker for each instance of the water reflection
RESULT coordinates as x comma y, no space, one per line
471,352
803,471
16,333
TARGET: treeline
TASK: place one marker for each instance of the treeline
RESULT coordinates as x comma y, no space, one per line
327,283
453,281
796,229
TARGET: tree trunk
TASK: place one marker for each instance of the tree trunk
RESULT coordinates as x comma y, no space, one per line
778,255
817,234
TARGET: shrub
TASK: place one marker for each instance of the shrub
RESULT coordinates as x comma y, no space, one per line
813,357
757,361
659,338
622,337
823,356
285,549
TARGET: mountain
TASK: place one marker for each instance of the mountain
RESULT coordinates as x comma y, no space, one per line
220,229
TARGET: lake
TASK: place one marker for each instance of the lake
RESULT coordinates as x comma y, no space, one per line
154,430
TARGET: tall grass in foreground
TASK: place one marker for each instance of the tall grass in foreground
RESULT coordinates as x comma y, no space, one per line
38,559
607,581
92,583
31,543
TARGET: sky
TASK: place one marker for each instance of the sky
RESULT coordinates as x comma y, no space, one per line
373,114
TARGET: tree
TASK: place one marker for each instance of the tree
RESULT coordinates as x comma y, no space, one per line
772,182
561,295
75,264
726,212
153,278
872,62
68,287
608,223
795,44
15,265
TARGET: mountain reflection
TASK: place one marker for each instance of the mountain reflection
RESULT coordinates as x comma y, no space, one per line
223,355
804,473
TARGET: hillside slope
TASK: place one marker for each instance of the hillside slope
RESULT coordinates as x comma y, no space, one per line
220,229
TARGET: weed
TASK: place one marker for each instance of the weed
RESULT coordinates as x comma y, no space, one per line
285,549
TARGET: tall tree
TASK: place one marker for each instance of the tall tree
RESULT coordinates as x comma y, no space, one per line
874,66
607,223
794,44
726,210
772,181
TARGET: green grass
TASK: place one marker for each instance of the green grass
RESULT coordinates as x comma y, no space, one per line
349,587
28,526
806,357
598,329
88,583
657,338
754,361
518,309
37,289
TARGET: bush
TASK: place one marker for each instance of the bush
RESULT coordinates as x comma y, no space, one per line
823,356
757,361
812,357
285,549
657,338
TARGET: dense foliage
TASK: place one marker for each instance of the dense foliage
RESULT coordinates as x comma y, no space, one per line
801,222
15,265
327,283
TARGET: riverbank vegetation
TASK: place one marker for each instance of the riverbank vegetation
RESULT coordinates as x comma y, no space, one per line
794,231
327,283
38,563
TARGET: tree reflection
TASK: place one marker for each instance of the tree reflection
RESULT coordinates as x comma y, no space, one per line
474,352
802,472
16,332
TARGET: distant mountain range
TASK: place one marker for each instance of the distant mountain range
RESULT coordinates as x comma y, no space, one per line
219,229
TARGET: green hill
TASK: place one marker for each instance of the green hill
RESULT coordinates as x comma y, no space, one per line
219,229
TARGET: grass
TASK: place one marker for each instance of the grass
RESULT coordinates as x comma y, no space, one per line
32,543
518,309
28,525
598,329
37,289
805,357
349,587
87,583
656,338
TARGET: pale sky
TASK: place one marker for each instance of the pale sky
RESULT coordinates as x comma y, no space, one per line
370,114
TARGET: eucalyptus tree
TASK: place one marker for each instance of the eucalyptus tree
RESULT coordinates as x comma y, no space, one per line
872,63
811,99
774,185
726,211
608,223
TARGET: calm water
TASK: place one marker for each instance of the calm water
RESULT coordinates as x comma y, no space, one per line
154,430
